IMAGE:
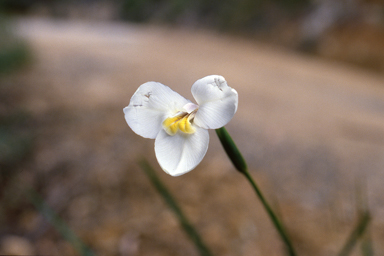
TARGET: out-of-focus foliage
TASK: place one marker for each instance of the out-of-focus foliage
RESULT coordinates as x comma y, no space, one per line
14,140
14,144
225,14
139,11
334,29
12,56
13,51
18,5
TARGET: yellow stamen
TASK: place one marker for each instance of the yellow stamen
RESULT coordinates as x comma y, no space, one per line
188,126
172,129
180,122
170,120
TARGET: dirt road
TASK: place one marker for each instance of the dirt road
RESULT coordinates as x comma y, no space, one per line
310,130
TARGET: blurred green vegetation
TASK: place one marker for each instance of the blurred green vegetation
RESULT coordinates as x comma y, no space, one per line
13,51
15,137
17,5
224,14
12,56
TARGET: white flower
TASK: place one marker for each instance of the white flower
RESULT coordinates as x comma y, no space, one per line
178,125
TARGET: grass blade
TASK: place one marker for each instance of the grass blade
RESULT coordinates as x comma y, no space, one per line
168,198
366,245
357,232
59,224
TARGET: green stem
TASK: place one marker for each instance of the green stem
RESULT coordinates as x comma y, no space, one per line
240,164
275,220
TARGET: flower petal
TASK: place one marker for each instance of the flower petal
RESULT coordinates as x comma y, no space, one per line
182,152
217,102
150,105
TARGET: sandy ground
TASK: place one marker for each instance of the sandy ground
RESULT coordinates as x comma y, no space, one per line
312,131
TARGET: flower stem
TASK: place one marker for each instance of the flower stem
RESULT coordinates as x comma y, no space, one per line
240,164
277,223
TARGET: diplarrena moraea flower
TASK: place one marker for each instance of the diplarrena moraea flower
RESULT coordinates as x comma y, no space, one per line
179,126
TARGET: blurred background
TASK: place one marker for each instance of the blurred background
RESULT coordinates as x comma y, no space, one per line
310,124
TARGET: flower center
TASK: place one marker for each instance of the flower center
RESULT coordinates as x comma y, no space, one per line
182,120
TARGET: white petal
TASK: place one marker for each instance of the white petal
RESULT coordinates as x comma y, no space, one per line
217,102
150,105
190,107
182,152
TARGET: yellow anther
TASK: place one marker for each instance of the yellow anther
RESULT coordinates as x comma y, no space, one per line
182,124
170,120
188,126
179,122
185,125
173,128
